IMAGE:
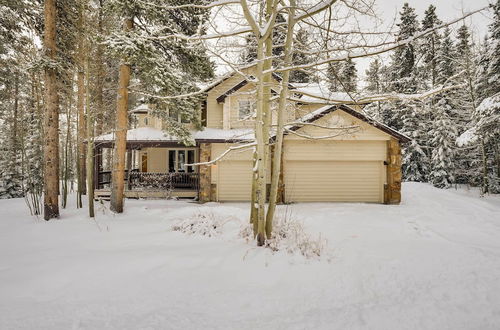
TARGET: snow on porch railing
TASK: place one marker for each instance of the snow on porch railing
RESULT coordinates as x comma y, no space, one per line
104,178
163,181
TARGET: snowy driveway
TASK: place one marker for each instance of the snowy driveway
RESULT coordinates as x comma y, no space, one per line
431,263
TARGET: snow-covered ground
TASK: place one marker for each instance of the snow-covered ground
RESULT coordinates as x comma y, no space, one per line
432,262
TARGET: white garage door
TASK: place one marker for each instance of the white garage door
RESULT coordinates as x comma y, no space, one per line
235,180
334,181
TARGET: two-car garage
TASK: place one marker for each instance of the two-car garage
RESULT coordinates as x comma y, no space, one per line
348,168
327,174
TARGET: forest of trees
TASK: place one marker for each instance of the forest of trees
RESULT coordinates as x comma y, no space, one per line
70,70
455,140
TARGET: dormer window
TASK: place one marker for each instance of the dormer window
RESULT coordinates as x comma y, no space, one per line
246,108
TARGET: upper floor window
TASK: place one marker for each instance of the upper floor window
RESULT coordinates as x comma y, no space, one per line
175,115
246,109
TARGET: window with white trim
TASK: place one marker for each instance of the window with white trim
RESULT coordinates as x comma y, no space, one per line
246,108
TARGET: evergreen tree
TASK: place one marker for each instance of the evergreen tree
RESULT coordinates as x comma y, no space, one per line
299,57
165,66
374,78
343,76
404,58
409,118
493,68
467,158
429,46
443,133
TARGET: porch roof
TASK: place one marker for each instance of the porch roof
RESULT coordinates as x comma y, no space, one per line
148,135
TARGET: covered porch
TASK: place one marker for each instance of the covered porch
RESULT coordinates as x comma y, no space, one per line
154,169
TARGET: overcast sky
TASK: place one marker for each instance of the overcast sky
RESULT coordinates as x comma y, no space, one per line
446,10
389,10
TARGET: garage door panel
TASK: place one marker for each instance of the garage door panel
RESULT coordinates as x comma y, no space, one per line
335,150
334,181
235,181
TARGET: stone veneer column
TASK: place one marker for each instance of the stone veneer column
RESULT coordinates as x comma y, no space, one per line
205,173
392,193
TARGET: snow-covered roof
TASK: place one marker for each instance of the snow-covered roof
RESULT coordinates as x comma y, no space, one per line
144,107
145,134
320,93
149,134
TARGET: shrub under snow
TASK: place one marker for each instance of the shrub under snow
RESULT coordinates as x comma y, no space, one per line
289,234
202,223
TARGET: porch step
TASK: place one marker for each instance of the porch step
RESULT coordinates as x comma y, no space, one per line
102,195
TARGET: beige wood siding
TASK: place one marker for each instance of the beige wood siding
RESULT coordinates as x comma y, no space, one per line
235,180
157,159
334,181
339,118
233,173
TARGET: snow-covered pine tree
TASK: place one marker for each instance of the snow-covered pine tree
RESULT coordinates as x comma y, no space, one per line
443,132
407,117
429,47
467,157
404,58
14,45
343,76
165,66
486,128
300,57
33,155
493,69
349,76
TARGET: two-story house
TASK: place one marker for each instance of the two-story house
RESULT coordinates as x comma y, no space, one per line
321,161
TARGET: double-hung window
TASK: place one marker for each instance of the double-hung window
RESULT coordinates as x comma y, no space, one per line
246,109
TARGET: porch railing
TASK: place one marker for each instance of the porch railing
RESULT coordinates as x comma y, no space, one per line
104,177
155,181
163,181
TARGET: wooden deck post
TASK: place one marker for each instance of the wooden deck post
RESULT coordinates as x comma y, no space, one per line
392,192
204,194
129,166
97,165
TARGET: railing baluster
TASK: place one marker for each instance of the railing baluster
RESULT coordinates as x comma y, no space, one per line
155,181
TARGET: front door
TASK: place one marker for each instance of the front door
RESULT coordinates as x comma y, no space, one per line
144,163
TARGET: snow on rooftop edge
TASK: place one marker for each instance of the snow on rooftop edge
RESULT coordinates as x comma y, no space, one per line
154,134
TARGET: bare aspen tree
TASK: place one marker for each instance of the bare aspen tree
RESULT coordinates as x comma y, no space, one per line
118,175
261,119
281,112
51,117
